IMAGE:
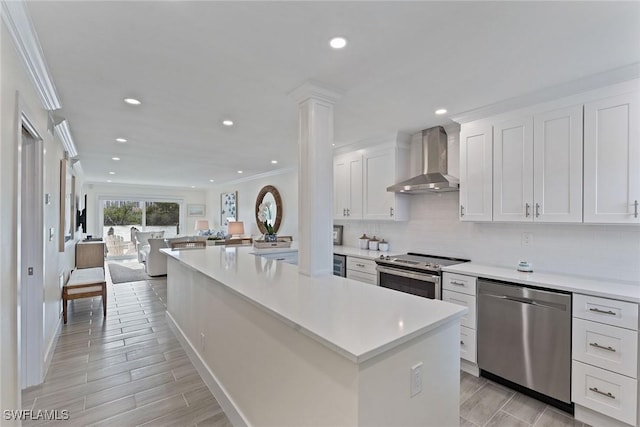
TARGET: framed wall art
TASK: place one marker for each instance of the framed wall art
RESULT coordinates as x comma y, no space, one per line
228,208
196,210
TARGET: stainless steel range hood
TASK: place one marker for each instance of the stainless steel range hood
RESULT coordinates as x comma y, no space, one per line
434,178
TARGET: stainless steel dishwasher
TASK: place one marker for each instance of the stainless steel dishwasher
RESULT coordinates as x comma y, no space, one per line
524,336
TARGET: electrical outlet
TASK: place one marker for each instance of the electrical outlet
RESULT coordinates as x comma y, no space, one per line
527,239
202,341
416,379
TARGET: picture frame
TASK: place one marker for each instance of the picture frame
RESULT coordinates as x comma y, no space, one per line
196,210
228,207
337,235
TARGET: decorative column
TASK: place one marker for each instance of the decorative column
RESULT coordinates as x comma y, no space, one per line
315,178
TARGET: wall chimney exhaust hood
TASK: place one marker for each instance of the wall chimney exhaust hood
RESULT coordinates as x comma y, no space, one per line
434,178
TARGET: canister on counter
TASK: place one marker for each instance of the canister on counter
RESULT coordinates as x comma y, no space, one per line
363,241
373,244
383,245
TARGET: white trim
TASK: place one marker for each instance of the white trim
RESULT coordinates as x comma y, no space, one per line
62,131
551,93
469,368
51,349
227,404
268,174
314,90
393,139
16,17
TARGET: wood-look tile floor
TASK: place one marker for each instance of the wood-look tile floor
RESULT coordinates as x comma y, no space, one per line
127,369
485,403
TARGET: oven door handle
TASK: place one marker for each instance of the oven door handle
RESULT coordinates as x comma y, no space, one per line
410,275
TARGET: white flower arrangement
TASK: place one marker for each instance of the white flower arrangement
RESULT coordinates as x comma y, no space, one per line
264,215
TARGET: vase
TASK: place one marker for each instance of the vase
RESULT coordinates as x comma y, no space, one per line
271,237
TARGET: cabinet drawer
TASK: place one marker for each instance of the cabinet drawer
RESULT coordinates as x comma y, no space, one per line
605,346
361,264
468,344
459,283
362,277
604,310
469,319
611,394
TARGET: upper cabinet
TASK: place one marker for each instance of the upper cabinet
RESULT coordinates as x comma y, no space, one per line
360,181
347,186
382,168
612,160
537,171
555,163
476,179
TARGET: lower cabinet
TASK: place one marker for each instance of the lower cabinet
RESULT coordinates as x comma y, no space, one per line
362,269
461,290
604,369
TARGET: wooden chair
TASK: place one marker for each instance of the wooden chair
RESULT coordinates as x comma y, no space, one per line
185,244
84,283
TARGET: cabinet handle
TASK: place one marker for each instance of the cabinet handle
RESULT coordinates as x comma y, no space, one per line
360,265
390,211
461,342
348,212
537,210
635,209
453,282
596,345
461,210
595,390
526,209
597,310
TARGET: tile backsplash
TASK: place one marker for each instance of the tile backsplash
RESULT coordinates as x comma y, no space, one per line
601,251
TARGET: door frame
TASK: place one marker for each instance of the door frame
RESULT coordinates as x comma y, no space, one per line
30,300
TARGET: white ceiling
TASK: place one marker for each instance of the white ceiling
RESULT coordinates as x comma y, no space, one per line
196,63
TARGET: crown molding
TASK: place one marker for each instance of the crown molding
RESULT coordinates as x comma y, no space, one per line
268,174
16,16
584,84
315,90
63,133
397,138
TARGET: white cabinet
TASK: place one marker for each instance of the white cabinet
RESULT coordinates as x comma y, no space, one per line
461,290
360,181
538,167
383,167
513,170
476,172
605,360
362,269
347,186
612,160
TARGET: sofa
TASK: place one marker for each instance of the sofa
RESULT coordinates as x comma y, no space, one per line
142,241
155,263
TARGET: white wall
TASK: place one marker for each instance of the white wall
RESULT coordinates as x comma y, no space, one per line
285,181
603,251
14,79
95,191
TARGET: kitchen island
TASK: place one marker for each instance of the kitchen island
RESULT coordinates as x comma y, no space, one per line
280,348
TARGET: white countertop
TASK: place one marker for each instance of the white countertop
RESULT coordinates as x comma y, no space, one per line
355,319
363,253
624,291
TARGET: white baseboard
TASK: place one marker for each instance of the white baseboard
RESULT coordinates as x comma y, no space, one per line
48,355
469,367
591,417
230,409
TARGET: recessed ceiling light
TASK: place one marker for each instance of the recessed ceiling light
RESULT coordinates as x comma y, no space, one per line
115,158
112,173
193,186
227,122
121,140
132,101
211,180
109,180
333,145
239,171
274,162
441,111
338,42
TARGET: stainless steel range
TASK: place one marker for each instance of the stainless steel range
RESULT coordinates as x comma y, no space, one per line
414,273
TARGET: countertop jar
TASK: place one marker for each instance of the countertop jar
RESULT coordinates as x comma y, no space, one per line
373,244
363,241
